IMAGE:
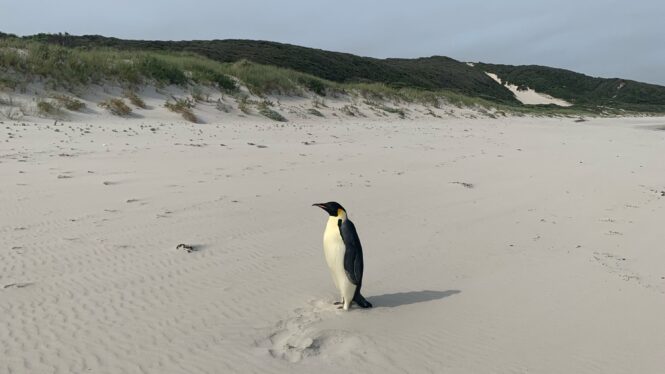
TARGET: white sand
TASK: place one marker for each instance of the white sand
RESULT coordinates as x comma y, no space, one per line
552,263
530,96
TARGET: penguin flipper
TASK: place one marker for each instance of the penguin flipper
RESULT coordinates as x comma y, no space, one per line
353,256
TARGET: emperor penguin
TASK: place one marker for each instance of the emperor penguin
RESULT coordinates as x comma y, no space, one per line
344,255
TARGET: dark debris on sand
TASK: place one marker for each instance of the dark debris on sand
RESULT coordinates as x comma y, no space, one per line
464,184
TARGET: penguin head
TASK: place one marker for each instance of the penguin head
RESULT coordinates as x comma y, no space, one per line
332,208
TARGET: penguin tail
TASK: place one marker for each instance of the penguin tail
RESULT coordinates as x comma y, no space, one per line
361,301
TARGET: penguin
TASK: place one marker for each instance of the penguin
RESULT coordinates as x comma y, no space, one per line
344,255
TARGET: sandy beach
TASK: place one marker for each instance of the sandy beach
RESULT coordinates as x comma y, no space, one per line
507,245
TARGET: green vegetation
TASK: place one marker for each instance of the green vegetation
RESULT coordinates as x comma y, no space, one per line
351,111
197,94
46,107
583,90
243,105
431,73
315,112
399,111
69,102
8,83
263,79
267,68
184,107
116,106
266,111
318,102
67,67
135,99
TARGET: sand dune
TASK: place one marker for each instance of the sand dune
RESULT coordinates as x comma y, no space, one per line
507,245
529,96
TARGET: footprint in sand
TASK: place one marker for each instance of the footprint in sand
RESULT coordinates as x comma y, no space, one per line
302,337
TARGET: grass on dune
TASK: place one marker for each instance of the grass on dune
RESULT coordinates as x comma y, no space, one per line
135,99
183,107
116,107
68,67
266,111
70,103
46,107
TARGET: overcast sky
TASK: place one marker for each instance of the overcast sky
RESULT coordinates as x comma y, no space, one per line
608,38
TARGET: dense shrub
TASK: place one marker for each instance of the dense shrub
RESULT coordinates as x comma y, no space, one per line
313,84
162,71
225,82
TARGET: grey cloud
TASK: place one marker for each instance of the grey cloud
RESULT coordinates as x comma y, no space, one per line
608,38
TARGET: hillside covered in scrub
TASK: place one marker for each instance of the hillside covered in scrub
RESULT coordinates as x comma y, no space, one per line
582,89
275,68
430,73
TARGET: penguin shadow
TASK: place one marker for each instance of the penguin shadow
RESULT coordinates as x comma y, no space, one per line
392,300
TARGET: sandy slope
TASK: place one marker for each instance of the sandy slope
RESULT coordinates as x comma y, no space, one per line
551,263
530,96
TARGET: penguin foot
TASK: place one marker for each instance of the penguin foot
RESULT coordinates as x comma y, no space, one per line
361,301
365,305
340,307
337,303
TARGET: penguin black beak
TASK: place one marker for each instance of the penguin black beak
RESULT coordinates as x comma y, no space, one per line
320,205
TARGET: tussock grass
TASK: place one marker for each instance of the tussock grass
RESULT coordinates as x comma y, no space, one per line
351,111
69,102
13,110
116,106
135,99
12,113
319,103
315,112
243,105
262,79
184,107
399,111
266,111
46,107
197,94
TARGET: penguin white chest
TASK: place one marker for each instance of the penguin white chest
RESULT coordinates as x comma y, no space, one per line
334,249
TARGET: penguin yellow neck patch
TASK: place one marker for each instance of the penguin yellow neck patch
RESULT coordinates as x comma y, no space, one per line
341,213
